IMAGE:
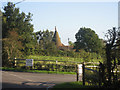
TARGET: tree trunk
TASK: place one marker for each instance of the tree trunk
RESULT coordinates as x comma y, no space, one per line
108,55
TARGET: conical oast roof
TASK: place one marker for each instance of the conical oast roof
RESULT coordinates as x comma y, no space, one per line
56,38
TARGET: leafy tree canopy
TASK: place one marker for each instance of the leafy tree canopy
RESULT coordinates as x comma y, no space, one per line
19,22
71,43
44,38
88,40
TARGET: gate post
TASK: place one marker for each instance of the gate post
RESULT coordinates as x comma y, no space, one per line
14,62
77,73
99,74
56,66
83,74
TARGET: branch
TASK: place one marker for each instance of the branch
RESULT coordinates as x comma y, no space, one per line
114,36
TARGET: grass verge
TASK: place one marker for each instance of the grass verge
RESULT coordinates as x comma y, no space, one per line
71,85
35,71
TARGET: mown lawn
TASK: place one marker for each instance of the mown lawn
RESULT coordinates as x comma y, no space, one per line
54,58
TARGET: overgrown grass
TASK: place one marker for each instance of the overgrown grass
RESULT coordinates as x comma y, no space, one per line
35,71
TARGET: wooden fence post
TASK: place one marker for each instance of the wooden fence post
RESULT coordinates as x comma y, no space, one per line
56,66
15,63
83,74
77,73
100,72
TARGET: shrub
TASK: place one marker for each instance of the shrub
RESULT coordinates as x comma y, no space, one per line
92,77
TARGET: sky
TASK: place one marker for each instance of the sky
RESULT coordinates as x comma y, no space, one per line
69,17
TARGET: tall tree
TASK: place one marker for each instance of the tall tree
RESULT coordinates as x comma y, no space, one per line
46,45
14,20
44,38
118,46
112,52
88,40
12,47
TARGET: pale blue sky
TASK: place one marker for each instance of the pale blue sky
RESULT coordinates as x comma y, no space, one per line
68,17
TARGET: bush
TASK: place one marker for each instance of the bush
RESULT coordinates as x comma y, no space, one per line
82,54
92,77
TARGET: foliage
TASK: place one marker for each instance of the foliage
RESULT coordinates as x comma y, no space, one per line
35,71
112,60
17,33
88,40
92,77
78,58
45,45
71,43
12,47
20,41
44,38
118,46
72,85
13,20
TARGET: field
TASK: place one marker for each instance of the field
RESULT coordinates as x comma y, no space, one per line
51,63
37,57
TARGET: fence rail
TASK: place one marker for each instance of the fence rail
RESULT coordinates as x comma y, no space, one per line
49,65
64,66
91,69
88,71
92,66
